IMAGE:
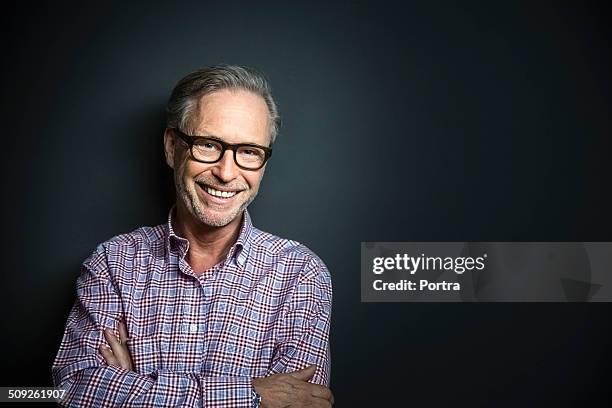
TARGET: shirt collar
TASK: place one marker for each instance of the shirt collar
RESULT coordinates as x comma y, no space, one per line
243,243
239,250
172,239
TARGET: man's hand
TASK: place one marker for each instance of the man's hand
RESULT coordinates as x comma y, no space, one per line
117,354
292,390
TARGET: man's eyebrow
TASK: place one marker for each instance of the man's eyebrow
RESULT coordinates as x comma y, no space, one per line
208,136
217,138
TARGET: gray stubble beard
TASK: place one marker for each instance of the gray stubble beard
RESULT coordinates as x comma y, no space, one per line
190,200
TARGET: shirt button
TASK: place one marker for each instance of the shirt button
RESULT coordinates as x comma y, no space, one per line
193,328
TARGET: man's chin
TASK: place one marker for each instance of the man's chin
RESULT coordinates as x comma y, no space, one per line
216,219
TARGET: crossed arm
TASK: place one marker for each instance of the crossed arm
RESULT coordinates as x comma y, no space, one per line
278,390
94,374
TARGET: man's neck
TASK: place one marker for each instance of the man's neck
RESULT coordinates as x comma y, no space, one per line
207,245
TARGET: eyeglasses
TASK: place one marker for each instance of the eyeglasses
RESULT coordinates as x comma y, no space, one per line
208,149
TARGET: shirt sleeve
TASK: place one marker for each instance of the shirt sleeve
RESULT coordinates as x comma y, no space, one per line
303,335
82,372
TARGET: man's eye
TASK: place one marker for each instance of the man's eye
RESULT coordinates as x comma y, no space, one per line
207,146
251,153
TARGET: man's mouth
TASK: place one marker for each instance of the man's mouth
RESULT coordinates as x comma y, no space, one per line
218,193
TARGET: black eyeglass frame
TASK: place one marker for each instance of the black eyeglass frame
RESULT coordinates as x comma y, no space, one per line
191,140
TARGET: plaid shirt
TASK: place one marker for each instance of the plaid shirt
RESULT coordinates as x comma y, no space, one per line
195,340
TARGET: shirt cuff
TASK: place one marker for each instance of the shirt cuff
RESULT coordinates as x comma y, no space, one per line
255,398
226,392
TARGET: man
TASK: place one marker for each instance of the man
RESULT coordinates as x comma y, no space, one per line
205,310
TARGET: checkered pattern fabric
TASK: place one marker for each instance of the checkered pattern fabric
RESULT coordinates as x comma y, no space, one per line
195,340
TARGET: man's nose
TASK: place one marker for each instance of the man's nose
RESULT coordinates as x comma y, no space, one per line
226,169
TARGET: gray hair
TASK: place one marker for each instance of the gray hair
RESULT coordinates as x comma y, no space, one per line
187,92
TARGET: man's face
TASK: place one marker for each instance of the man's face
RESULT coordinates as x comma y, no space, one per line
234,116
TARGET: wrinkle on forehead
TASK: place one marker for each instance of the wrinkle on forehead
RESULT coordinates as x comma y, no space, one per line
234,115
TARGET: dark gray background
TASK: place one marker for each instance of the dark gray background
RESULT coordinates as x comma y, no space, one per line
414,122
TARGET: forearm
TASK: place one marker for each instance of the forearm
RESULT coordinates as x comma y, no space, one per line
298,358
110,386
115,387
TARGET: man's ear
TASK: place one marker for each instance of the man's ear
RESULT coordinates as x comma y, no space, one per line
169,147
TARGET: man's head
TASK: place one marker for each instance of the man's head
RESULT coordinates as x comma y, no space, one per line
230,104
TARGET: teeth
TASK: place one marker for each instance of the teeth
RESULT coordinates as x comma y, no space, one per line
217,193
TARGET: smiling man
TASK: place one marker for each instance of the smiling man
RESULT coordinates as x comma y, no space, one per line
205,310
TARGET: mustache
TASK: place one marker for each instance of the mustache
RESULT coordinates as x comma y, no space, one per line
215,183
